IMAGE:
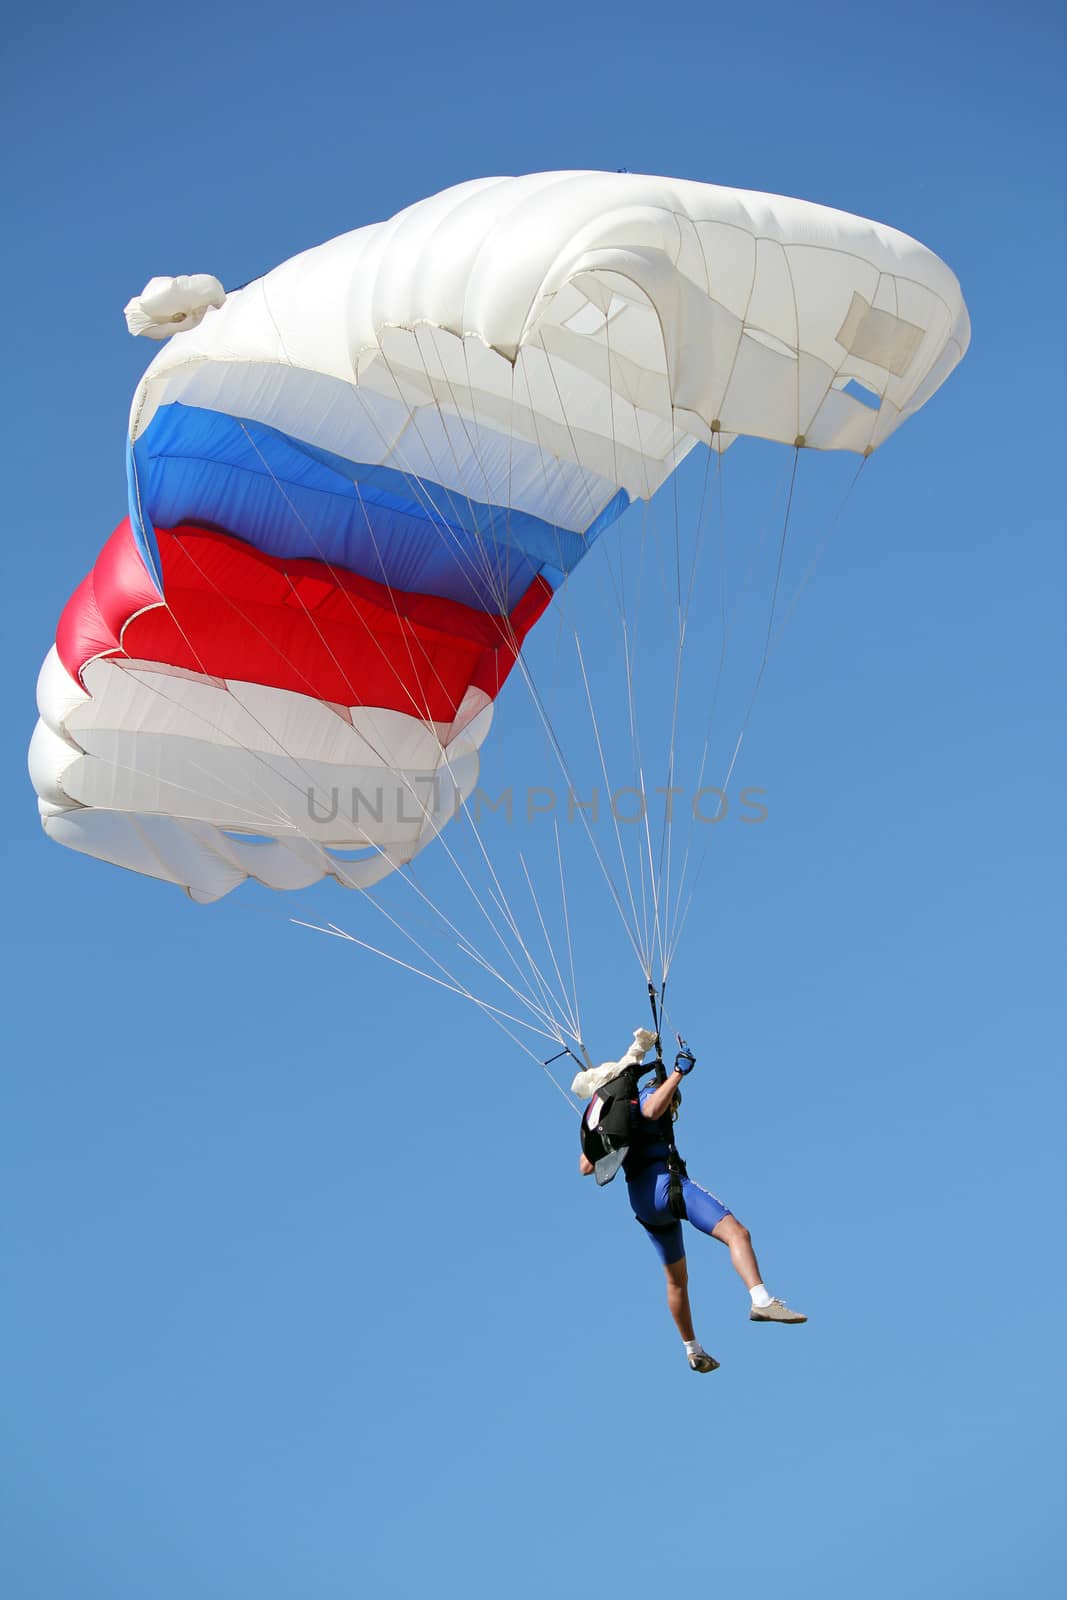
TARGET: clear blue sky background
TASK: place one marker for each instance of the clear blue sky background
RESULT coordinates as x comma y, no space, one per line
287,1314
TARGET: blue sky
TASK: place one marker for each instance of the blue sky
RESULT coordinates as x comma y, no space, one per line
304,1295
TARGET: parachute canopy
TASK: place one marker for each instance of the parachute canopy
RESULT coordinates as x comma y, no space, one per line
356,483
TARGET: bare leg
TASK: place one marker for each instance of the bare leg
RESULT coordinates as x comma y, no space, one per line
678,1297
738,1241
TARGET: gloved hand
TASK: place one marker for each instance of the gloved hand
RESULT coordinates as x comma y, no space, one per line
684,1063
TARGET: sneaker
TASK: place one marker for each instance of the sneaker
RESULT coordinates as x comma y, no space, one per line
703,1362
777,1311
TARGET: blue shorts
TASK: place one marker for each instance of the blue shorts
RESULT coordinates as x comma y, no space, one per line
648,1196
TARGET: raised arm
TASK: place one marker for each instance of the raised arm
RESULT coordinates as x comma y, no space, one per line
655,1104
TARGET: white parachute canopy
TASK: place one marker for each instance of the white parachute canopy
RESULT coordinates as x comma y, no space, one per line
359,480
599,322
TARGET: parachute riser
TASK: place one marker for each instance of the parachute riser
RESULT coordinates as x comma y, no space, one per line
655,1000
684,1053
675,1165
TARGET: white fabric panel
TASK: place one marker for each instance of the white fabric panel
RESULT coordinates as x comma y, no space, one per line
152,767
251,716
494,263
48,759
209,863
570,413
198,858
57,692
128,842
344,806
166,305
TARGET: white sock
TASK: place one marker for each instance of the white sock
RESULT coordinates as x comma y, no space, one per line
760,1298
693,1347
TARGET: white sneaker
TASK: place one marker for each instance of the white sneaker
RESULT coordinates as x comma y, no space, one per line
777,1311
703,1362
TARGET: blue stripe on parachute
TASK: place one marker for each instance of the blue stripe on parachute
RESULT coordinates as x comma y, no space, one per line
144,534
292,500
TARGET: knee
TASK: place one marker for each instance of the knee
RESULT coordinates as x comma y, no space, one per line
677,1276
739,1233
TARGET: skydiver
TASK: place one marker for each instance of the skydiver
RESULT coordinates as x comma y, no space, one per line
650,1115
